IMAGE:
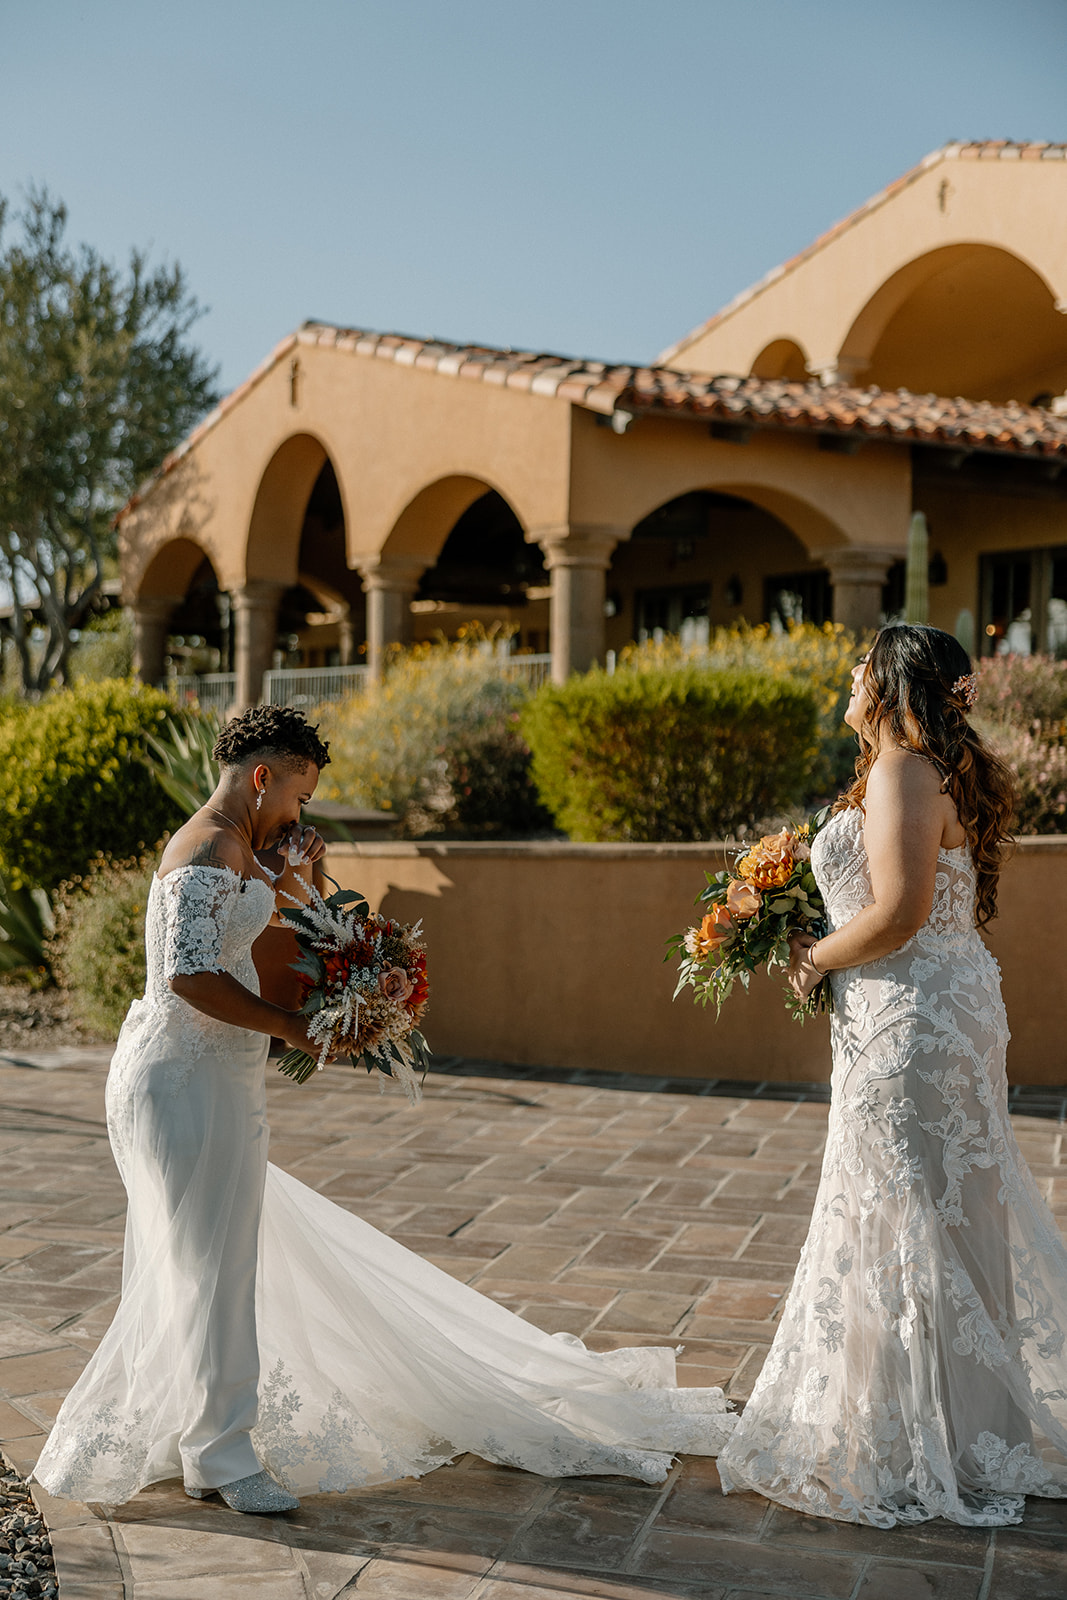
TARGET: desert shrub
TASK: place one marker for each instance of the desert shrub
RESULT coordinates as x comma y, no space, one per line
438,743
105,649
1024,690
678,753
1040,768
73,785
98,945
820,656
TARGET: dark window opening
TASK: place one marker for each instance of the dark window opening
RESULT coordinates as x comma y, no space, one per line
486,559
661,612
798,597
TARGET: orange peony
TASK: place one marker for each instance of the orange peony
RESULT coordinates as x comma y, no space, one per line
742,900
769,863
716,930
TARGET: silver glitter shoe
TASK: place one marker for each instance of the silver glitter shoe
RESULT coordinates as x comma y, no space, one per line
257,1495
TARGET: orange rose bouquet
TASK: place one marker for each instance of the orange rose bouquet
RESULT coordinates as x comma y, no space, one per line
751,912
365,989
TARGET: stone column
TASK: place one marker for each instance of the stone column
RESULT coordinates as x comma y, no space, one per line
578,558
151,626
858,576
255,624
390,588
346,638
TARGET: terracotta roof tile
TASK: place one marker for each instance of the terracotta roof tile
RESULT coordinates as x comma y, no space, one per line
772,403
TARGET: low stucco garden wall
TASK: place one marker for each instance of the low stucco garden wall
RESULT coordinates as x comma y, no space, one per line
552,955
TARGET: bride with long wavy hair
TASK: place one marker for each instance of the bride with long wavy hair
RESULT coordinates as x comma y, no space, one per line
919,1367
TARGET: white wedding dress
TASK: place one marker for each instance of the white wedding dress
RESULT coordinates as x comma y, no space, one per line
261,1324
919,1368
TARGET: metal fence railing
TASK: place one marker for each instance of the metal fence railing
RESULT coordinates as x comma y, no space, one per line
305,687
313,686
536,670
216,690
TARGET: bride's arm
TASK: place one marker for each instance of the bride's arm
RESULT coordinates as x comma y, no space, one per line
902,832
222,996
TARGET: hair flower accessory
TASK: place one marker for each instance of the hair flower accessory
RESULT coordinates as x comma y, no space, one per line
967,688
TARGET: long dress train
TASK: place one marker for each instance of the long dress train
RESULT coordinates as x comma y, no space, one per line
919,1367
260,1323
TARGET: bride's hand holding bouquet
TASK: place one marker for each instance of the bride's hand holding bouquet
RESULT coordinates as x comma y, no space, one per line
768,912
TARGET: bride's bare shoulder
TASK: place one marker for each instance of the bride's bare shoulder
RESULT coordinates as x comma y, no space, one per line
203,843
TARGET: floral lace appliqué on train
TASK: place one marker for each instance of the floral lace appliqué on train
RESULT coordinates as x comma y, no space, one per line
910,1374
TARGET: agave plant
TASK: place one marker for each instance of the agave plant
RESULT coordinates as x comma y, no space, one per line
180,756
26,924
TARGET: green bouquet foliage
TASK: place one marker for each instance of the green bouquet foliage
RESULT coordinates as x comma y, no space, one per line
74,785
669,754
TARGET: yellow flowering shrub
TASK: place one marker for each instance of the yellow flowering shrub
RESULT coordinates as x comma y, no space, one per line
438,743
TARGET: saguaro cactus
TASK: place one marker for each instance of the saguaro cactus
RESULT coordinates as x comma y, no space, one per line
917,581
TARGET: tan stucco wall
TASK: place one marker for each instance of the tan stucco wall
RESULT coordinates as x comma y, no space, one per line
552,955
1014,205
390,432
826,500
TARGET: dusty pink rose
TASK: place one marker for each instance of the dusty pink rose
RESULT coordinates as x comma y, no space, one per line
742,901
394,983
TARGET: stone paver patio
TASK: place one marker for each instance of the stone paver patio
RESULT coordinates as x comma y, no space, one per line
624,1215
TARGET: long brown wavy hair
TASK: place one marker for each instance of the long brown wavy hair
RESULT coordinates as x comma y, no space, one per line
910,678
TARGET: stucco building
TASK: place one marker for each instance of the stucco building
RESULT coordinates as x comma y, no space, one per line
361,489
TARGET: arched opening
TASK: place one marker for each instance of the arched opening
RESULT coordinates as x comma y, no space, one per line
277,517
782,358
708,559
180,604
322,616
200,635
970,320
486,572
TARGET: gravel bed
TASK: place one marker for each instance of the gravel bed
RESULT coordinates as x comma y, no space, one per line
38,1019
26,1565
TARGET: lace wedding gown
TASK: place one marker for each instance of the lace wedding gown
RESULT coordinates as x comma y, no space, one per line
919,1368
259,1323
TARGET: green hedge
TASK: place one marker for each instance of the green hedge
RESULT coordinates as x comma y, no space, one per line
669,754
72,785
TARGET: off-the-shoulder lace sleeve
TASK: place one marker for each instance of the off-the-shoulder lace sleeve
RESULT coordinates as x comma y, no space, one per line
197,906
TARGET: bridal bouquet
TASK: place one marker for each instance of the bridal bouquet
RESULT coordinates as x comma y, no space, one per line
752,910
365,989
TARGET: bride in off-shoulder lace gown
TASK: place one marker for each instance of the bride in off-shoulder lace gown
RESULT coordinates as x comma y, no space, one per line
262,1325
919,1367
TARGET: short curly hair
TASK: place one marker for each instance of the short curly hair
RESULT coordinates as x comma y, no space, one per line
271,732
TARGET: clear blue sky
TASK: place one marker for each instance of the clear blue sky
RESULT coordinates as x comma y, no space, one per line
588,176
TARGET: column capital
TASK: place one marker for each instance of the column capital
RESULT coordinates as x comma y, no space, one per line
155,607
257,594
390,577
579,544
858,563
